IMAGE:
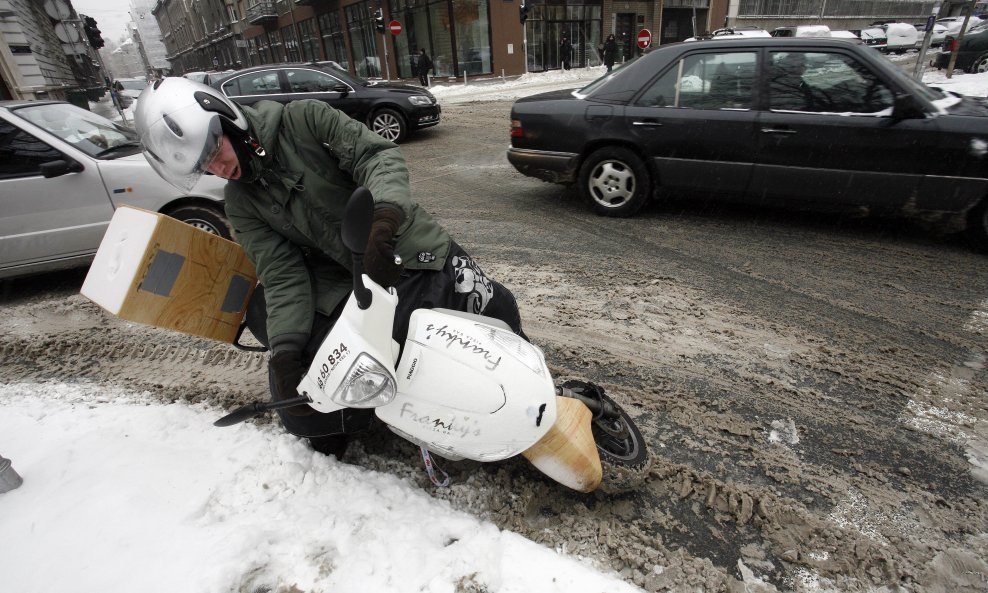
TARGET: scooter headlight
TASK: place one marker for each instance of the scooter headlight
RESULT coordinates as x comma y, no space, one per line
367,384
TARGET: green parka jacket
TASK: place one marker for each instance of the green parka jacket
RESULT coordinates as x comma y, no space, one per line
288,220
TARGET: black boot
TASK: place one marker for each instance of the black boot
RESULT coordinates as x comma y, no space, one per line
331,445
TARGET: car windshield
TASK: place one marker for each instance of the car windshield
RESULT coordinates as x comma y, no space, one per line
90,133
133,85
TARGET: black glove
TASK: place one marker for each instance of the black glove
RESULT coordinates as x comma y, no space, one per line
379,256
286,368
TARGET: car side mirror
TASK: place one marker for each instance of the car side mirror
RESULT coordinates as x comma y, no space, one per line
59,168
906,107
341,88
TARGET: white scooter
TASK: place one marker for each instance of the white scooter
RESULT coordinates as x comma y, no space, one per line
463,386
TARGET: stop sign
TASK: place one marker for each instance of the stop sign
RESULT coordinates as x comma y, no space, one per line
644,38
394,27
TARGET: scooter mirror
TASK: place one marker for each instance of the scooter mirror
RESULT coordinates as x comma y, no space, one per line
357,220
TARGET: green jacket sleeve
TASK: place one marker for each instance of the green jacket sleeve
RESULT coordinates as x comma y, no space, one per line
372,161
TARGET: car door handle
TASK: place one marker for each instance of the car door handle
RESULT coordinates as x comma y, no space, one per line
647,123
778,131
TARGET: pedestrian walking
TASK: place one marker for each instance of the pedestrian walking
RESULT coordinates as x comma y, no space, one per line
610,51
565,52
424,65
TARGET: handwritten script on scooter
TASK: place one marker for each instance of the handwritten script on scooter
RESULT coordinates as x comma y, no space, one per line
454,338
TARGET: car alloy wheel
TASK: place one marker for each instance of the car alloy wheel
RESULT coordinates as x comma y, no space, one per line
389,124
204,218
615,182
980,65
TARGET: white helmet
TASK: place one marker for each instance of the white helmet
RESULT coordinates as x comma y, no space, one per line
181,123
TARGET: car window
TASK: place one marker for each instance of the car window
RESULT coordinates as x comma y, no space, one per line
310,81
823,82
705,81
257,83
86,131
21,153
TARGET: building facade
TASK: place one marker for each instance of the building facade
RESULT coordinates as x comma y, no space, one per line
44,53
147,34
467,38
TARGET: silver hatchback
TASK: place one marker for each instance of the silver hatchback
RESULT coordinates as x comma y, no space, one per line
63,172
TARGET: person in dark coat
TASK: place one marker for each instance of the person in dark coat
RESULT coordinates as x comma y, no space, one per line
610,51
424,65
565,52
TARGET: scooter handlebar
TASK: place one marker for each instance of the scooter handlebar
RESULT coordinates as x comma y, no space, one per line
258,408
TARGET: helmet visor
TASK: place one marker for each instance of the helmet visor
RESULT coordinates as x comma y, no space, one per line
180,155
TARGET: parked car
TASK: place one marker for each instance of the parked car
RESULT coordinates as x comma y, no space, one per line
802,31
733,33
128,90
900,37
874,37
849,36
936,38
63,171
972,51
954,23
389,109
208,77
803,123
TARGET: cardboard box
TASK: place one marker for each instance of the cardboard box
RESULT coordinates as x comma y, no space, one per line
156,270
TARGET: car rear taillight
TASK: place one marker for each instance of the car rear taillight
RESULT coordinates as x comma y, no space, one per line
516,130
950,44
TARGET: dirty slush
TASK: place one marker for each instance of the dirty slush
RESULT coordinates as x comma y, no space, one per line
805,434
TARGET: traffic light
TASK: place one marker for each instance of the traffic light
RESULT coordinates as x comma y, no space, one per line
523,12
92,32
379,20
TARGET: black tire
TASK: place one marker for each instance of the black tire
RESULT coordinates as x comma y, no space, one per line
623,454
388,124
615,182
210,219
977,227
979,65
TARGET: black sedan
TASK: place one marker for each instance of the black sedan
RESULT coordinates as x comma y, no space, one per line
803,123
972,51
390,109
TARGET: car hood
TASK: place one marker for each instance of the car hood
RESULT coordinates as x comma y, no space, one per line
970,106
549,96
399,88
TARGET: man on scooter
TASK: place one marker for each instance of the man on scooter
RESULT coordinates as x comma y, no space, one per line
291,169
